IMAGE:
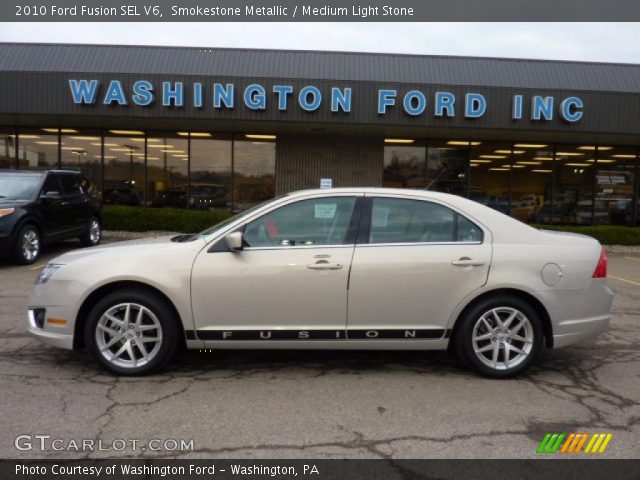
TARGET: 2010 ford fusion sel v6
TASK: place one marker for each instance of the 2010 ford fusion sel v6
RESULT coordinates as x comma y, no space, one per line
332,269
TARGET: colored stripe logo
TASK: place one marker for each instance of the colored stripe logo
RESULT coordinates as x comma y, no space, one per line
574,443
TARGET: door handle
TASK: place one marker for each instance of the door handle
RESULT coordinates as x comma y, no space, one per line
324,265
64,203
467,262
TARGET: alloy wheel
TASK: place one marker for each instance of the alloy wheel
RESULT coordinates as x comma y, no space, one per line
502,338
30,245
128,335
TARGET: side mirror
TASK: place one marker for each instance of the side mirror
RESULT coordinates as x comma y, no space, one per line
50,195
234,241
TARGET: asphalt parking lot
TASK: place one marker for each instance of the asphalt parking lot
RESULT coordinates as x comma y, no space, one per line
321,404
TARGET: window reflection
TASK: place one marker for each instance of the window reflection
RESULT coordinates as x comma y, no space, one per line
490,164
81,152
532,184
254,165
211,173
447,165
575,169
7,150
615,182
38,149
167,171
404,166
123,170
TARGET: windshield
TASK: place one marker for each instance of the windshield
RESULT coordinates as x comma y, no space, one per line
17,187
219,226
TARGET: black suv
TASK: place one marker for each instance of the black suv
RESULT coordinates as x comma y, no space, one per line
38,207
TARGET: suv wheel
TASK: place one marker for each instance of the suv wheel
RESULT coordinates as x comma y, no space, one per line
500,337
93,233
28,245
131,332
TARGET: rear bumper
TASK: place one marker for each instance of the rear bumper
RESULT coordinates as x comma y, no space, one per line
578,315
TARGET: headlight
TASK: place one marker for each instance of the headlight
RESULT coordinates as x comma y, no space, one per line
46,273
6,211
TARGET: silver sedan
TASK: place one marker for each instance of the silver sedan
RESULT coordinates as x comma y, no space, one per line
357,268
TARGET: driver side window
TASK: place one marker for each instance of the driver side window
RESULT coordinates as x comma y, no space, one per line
316,221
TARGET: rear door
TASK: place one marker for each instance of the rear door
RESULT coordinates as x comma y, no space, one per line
414,261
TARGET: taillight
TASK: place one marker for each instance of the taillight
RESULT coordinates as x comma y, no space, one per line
601,268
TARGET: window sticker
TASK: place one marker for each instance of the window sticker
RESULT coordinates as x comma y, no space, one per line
380,217
326,210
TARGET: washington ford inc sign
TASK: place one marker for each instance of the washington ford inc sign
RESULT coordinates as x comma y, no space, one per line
309,98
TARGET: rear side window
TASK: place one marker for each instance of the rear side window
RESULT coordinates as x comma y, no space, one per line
71,184
52,186
396,220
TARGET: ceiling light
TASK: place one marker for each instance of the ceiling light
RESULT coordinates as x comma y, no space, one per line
493,156
127,132
60,130
509,152
254,136
530,145
529,163
577,164
624,156
475,165
22,136
480,161
120,149
172,150
137,139
540,170
498,169
398,140
462,143
518,166
543,158
606,160
160,146
195,134
107,144
592,148
47,143
85,138
568,154
153,158
72,148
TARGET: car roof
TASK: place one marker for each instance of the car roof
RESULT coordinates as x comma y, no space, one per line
38,172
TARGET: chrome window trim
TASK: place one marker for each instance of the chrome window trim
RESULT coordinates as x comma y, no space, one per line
298,247
415,244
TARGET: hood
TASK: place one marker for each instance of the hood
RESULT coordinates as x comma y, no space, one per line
129,247
12,203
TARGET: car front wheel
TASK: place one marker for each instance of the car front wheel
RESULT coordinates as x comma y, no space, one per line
500,337
93,233
28,245
132,332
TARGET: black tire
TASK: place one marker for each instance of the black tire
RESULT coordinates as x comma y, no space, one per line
27,255
504,304
165,316
93,233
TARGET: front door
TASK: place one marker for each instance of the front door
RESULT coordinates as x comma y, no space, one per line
414,262
290,280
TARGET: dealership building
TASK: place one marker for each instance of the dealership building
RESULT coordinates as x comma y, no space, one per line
208,128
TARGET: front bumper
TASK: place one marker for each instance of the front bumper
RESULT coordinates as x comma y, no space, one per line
60,340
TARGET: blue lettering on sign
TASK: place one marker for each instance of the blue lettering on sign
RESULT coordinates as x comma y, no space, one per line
541,108
115,93
197,95
282,91
474,105
414,102
571,109
223,94
516,113
83,91
386,98
142,93
340,99
445,101
172,95
303,98
255,97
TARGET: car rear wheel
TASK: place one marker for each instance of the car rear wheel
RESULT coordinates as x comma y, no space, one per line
93,233
500,337
132,332
28,245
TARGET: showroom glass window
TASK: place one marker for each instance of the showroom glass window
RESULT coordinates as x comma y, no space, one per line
448,166
81,151
316,221
167,169
124,168
397,220
532,182
7,149
38,149
574,179
490,166
210,171
404,163
254,162
615,181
